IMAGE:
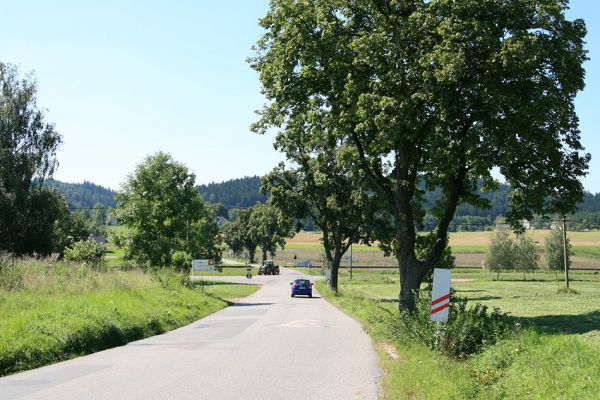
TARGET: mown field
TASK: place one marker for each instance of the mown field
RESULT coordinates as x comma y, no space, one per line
53,312
469,249
554,355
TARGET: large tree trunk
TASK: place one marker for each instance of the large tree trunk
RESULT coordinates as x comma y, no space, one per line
335,267
251,253
411,276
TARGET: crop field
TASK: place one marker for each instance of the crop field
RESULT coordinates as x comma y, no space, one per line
469,249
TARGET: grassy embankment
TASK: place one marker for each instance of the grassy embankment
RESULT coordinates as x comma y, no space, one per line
556,355
50,313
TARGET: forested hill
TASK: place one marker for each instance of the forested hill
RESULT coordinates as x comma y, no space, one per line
86,194
240,192
244,192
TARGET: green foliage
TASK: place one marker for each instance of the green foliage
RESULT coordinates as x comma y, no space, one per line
86,251
540,362
525,259
432,95
11,278
33,217
324,189
423,246
182,261
269,227
240,192
237,234
63,311
165,214
554,251
506,254
84,195
468,330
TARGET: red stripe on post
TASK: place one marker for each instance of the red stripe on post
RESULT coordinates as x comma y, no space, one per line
440,308
440,299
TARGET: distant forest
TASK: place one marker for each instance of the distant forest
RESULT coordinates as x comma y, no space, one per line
244,192
84,195
241,192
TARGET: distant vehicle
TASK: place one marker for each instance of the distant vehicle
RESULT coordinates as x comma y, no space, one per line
301,287
268,268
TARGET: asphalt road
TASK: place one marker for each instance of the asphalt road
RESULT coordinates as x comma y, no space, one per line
267,346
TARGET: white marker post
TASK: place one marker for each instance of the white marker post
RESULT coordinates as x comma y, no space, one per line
440,298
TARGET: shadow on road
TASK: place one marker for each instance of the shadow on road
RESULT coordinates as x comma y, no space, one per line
250,304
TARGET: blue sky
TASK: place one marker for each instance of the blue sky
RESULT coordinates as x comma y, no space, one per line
124,79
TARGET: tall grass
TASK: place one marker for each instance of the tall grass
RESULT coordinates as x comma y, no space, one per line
52,312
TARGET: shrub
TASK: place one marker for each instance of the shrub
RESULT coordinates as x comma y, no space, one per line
468,330
87,252
181,261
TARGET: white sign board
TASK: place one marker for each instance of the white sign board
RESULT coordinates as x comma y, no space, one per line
440,295
306,263
203,265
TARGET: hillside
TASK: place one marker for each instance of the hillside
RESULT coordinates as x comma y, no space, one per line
84,195
240,192
244,192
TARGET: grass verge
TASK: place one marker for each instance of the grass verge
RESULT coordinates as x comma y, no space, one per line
547,360
50,313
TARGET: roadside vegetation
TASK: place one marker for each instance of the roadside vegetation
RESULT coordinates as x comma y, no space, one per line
551,348
53,312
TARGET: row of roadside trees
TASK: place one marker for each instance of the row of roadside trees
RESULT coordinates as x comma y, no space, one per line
262,225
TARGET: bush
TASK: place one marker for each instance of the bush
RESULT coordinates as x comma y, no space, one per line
181,261
86,251
468,330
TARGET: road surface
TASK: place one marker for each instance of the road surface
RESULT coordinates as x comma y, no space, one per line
267,346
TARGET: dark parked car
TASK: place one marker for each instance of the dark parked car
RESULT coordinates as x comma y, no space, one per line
301,287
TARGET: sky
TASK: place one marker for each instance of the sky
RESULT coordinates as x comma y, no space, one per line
125,79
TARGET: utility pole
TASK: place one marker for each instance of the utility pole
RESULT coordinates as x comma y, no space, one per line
565,255
350,261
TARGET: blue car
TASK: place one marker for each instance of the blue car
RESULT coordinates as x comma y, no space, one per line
301,287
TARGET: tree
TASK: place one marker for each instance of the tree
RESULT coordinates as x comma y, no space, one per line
499,256
268,227
325,190
161,205
233,237
30,213
506,254
554,251
526,258
237,233
433,95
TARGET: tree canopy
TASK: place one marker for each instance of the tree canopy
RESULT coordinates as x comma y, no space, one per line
33,217
327,191
161,205
268,227
434,93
